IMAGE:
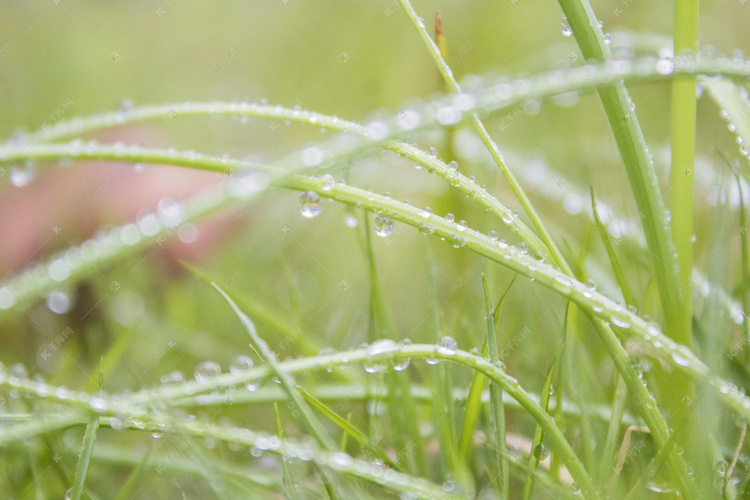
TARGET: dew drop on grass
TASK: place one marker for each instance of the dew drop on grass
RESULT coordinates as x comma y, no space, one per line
457,241
206,369
507,217
566,30
400,365
453,165
448,346
432,152
174,377
309,204
461,226
450,217
664,66
312,156
329,182
383,226
492,235
540,451
425,229
523,249
240,364
426,212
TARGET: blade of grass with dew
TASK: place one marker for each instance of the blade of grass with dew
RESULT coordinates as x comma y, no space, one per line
733,103
401,406
643,181
618,409
496,399
744,257
87,447
489,144
349,429
287,382
288,477
443,407
538,451
476,391
609,456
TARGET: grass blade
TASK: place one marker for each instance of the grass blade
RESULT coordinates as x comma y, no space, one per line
348,428
496,399
287,382
538,451
87,447
401,406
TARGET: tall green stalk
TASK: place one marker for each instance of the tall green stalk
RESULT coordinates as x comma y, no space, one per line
643,181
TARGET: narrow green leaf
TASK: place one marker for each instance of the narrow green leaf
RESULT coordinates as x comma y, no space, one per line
87,447
538,451
348,428
287,382
496,400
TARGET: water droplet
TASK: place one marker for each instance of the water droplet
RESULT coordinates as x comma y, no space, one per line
456,241
351,221
453,165
240,364
329,182
425,229
58,302
664,66
450,217
508,217
677,358
426,212
375,349
433,152
383,226
447,346
174,377
523,249
492,235
309,204
206,369
22,175
400,365
312,156
461,226
566,30
540,451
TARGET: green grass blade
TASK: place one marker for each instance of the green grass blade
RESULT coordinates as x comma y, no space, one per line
348,428
85,457
496,399
614,261
443,407
644,184
684,102
286,380
479,127
401,406
537,446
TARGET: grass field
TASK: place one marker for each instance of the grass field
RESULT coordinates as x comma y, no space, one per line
323,250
